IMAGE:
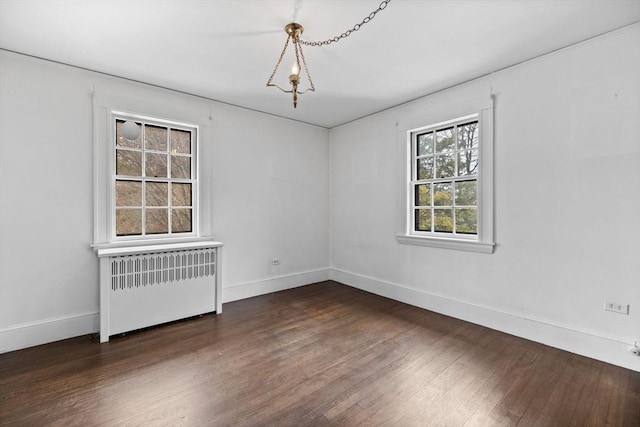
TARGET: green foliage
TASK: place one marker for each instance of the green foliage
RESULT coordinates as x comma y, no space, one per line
442,194
466,194
443,220
423,195
466,221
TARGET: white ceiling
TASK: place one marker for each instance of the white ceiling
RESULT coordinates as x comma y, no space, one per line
226,50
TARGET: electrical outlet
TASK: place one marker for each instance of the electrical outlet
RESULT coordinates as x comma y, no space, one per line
616,307
275,261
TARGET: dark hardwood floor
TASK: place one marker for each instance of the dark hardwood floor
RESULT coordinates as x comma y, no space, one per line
323,354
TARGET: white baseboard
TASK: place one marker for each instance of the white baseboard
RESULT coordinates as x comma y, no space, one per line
48,330
614,350
275,284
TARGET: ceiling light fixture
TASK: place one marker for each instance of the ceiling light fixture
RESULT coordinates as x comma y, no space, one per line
294,31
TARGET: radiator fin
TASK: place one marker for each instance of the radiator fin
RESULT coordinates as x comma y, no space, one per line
134,271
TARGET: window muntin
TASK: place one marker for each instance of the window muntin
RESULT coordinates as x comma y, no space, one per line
154,191
444,180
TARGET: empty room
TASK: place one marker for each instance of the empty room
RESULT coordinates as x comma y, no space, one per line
320,212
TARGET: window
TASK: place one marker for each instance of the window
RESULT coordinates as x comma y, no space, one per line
444,180
148,189
449,183
154,179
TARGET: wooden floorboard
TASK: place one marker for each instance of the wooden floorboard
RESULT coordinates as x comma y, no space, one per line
319,355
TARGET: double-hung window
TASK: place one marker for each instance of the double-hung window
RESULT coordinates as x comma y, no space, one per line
154,178
148,186
449,183
444,180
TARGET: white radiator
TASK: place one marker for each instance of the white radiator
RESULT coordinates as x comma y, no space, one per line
148,285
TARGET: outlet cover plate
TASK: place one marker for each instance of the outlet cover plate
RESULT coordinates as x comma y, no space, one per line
616,307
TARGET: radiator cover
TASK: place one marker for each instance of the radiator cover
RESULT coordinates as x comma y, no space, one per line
148,285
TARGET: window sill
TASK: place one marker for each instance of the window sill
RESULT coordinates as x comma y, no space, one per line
131,248
455,244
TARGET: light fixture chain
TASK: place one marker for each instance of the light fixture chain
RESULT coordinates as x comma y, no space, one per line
306,70
347,33
279,61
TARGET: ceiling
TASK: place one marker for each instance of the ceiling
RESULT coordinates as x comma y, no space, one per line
226,50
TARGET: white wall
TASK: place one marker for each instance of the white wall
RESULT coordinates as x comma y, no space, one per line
567,189
268,179
567,204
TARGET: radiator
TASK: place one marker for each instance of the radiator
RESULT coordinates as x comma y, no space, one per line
149,285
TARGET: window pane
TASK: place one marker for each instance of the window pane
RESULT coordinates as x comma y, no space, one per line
157,193
423,195
156,165
445,165
154,182
128,193
121,141
467,162
424,168
467,221
128,163
443,220
442,194
466,193
445,141
180,141
423,219
155,138
468,136
181,195
181,220
128,222
157,221
180,167
424,144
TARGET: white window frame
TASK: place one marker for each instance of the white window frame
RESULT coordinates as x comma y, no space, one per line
167,109
194,181
484,240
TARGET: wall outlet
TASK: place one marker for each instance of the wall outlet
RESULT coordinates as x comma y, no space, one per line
275,261
616,307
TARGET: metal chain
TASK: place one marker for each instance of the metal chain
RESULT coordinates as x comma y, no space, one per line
279,61
306,70
347,33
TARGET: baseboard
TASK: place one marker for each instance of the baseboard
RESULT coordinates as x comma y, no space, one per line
47,330
274,284
614,350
